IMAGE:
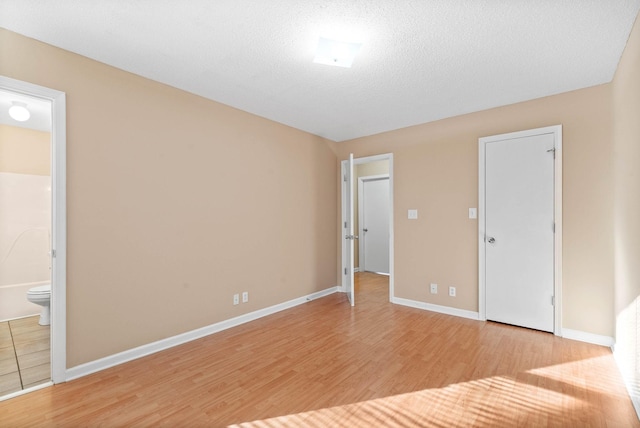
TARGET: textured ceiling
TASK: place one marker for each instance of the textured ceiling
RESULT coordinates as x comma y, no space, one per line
421,60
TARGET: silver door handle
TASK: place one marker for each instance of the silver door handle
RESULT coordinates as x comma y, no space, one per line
351,237
491,240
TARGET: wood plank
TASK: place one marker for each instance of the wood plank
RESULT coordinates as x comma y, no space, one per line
327,364
27,323
10,382
7,353
35,345
33,359
30,335
8,365
36,374
5,336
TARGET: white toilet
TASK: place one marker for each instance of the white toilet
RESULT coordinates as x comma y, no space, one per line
41,295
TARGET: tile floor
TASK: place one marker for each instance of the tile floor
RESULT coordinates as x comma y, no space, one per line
25,359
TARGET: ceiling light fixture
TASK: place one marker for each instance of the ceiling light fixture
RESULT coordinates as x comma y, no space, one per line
18,111
333,52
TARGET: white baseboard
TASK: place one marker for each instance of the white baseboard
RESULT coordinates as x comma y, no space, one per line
436,308
160,345
583,336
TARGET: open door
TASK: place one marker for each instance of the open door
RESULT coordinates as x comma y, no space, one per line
347,235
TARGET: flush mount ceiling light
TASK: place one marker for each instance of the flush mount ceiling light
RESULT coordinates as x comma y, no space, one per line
18,111
333,52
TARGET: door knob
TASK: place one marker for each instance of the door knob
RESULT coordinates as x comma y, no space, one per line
491,240
365,230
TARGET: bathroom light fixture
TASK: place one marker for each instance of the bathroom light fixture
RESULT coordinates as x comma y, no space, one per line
18,111
333,52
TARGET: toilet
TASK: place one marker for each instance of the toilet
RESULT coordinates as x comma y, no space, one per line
41,295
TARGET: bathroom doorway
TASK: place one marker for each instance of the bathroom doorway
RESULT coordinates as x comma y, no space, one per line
32,237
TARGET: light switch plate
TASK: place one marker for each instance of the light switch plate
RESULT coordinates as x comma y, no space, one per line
473,213
412,214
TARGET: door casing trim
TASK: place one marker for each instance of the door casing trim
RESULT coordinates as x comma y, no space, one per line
556,130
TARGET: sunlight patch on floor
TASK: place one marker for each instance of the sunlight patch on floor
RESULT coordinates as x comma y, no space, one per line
493,401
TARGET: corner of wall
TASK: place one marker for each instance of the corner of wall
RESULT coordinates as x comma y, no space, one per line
626,223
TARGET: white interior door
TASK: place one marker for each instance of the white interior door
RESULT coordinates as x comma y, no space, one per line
374,225
348,237
519,231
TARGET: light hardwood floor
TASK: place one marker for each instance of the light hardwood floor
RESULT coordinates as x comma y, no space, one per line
327,364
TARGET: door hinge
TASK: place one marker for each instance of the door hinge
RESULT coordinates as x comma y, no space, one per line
345,271
553,226
345,224
345,178
553,300
53,253
553,151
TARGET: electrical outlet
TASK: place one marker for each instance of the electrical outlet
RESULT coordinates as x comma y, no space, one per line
434,288
452,291
236,299
245,297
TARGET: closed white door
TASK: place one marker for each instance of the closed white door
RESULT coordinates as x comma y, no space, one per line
519,231
374,225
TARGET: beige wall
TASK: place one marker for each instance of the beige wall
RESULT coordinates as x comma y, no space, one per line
24,151
177,197
626,132
175,203
436,171
364,170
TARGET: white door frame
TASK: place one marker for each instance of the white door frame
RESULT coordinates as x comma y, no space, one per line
59,219
361,181
482,142
358,161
